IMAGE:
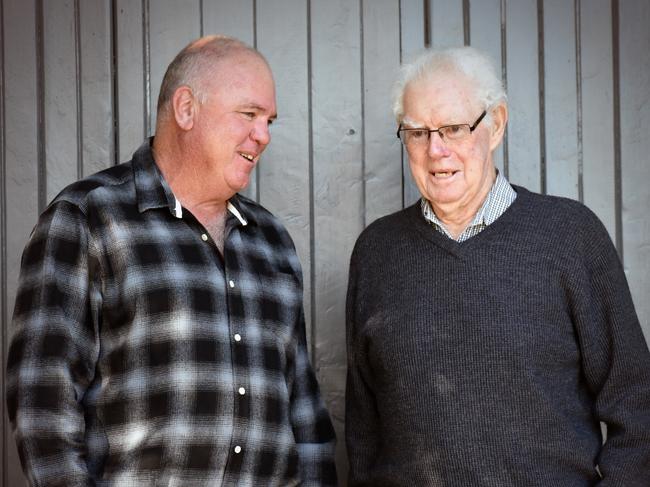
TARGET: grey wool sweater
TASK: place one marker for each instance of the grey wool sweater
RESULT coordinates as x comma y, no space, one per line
492,362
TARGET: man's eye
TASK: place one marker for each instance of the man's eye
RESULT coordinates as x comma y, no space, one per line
248,115
419,134
455,132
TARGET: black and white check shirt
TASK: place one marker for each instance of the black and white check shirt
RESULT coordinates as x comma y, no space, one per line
143,357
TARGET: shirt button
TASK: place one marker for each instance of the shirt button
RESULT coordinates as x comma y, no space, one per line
238,449
204,237
241,391
231,283
237,337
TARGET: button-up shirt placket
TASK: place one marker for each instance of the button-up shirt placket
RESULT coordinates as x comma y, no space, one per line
237,326
234,303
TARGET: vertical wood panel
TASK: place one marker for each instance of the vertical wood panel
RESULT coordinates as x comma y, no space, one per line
173,24
412,32
382,150
334,63
597,110
61,85
284,170
97,95
446,23
130,76
523,94
236,18
338,206
485,34
561,99
635,147
412,27
5,429
21,171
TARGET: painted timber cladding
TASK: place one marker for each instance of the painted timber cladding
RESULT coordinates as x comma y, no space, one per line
80,79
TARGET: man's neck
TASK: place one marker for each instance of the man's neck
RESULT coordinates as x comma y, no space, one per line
195,193
184,172
454,225
457,217
214,221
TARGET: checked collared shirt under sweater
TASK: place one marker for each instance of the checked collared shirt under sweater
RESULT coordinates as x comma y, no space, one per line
498,200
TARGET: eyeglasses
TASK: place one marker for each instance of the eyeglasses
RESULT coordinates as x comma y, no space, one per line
420,137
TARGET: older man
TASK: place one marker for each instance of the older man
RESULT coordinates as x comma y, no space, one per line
160,335
490,329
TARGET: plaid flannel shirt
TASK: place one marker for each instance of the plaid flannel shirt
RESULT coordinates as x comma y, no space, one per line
142,357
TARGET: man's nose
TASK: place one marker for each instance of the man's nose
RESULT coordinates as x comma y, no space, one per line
260,132
437,146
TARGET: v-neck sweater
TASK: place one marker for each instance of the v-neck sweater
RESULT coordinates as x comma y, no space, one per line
491,362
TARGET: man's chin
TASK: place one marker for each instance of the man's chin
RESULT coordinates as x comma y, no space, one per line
445,198
240,187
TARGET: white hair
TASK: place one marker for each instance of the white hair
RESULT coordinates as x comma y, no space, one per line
466,61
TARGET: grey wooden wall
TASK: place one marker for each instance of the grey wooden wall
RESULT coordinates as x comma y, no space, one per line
80,78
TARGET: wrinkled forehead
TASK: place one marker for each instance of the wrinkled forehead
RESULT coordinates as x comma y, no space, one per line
447,97
241,66
242,59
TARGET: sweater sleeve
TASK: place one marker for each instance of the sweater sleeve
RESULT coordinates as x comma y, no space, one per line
615,360
53,351
362,429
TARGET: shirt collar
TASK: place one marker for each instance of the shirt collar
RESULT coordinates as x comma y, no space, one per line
501,195
153,191
490,209
234,207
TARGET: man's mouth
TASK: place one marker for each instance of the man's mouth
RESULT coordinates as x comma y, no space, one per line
247,156
444,174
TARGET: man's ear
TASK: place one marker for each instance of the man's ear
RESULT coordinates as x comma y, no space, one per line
184,107
499,116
